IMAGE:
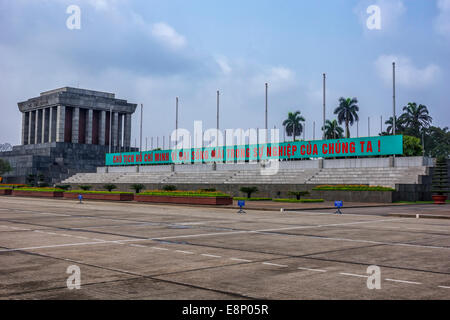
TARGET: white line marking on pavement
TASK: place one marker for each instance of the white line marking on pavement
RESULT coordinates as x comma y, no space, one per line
309,227
444,287
243,260
158,248
403,281
138,245
274,264
353,275
210,255
309,269
95,239
182,251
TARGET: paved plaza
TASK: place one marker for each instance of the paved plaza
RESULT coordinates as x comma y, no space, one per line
142,251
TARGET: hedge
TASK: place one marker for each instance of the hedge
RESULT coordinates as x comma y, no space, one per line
183,193
98,192
350,187
40,189
295,200
252,199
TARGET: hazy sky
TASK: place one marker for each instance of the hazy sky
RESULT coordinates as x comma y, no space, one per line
152,51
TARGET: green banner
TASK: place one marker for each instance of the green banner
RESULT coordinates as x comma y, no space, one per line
361,147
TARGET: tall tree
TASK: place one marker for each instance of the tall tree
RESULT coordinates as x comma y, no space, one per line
416,118
293,124
333,130
347,112
5,167
399,125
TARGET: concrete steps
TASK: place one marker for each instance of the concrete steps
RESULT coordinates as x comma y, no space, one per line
371,176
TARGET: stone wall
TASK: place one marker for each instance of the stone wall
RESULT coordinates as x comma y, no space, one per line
56,161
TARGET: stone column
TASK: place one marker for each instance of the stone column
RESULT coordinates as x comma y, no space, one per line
102,129
25,127
75,124
52,124
115,129
127,131
89,117
38,134
119,138
60,123
31,126
44,134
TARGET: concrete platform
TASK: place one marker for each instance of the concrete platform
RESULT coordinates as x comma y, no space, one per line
141,251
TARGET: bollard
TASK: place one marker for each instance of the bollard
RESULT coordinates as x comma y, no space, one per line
338,205
241,204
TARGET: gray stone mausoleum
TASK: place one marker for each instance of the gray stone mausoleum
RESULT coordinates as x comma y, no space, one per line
68,130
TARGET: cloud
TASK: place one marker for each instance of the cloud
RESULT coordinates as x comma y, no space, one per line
223,64
407,74
167,35
442,21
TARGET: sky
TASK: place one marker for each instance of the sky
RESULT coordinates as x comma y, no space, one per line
150,52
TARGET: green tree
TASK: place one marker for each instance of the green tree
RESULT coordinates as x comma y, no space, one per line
415,118
347,112
110,187
5,167
440,177
333,130
412,146
298,194
85,187
293,124
248,190
399,125
137,187
170,187
437,142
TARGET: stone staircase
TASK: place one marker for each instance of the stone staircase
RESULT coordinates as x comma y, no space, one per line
144,177
283,176
387,177
87,178
207,177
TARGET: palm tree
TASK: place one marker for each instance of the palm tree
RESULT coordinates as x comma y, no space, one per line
347,112
416,118
292,124
333,130
399,126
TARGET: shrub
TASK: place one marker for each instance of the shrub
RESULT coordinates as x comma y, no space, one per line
298,194
298,201
43,184
183,193
208,190
440,179
5,167
110,187
98,192
85,187
169,187
137,187
350,187
40,189
412,146
252,199
64,187
248,191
